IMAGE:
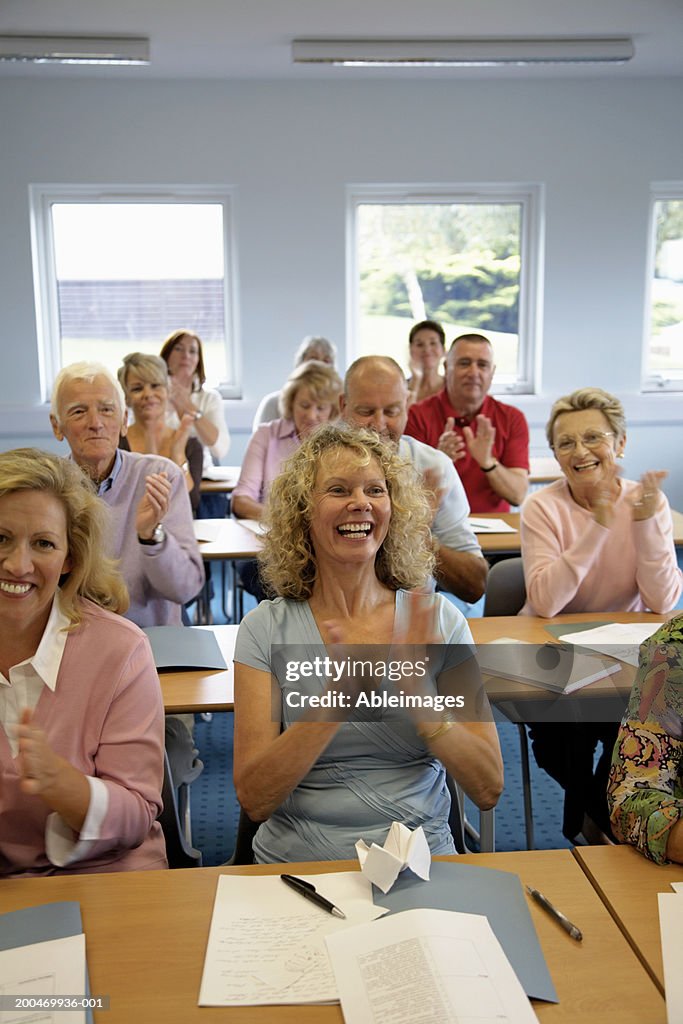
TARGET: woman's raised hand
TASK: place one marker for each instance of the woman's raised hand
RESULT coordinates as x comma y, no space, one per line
647,498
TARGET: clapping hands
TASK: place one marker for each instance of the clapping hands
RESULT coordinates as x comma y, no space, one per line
646,501
154,504
479,444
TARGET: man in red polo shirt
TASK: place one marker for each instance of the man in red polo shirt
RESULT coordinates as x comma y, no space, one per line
487,440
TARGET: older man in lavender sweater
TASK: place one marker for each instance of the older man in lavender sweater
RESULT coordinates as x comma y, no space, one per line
151,518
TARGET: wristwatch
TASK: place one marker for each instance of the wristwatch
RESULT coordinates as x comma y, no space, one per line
198,415
158,536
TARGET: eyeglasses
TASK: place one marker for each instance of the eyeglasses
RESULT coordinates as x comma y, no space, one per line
591,439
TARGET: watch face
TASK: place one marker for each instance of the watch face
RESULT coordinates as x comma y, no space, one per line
159,534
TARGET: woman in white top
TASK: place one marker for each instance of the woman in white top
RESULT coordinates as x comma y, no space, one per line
182,352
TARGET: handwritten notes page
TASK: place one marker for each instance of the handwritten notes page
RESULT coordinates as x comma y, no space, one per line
267,943
426,965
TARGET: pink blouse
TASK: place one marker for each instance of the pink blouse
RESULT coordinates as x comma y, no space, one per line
268,448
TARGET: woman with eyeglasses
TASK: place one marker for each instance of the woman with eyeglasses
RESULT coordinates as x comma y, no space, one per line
593,542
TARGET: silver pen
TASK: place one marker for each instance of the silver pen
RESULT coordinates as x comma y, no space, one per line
544,902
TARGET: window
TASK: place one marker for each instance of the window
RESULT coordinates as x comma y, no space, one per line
466,256
116,273
663,349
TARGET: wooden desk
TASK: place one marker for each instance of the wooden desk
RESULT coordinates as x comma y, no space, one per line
200,690
532,630
511,543
192,690
500,543
146,935
628,884
230,541
226,485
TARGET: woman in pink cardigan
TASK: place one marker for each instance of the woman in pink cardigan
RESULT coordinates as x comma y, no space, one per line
81,717
593,542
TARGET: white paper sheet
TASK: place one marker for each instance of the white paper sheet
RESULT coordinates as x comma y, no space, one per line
255,525
426,965
49,969
267,943
677,886
490,525
671,930
619,640
402,849
228,474
207,530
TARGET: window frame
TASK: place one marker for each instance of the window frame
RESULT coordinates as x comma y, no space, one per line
652,382
529,195
41,199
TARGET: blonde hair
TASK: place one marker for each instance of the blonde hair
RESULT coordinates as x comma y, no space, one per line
92,574
589,398
321,379
148,368
287,560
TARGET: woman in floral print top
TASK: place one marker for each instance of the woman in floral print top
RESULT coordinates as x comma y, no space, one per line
645,789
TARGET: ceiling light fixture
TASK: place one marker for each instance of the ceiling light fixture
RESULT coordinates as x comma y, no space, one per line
75,49
461,52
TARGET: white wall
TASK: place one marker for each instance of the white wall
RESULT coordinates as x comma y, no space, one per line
291,149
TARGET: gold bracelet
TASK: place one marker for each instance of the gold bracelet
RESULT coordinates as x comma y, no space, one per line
442,728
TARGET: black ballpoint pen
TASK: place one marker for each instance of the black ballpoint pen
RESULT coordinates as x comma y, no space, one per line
544,902
308,891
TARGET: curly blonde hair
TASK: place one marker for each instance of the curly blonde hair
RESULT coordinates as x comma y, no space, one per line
92,574
287,561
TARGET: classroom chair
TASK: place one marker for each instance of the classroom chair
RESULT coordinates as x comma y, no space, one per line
179,849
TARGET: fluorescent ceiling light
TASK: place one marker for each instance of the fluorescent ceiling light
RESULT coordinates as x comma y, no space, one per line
460,52
75,49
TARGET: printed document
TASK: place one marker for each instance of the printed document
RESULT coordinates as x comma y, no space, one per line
41,973
435,966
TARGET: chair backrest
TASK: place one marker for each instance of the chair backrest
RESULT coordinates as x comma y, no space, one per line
179,852
505,588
